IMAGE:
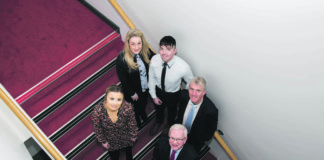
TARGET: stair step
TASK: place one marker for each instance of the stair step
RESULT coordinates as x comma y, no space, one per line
68,81
59,31
93,151
78,103
77,119
75,136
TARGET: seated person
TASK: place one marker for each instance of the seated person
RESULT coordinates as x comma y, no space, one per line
175,148
198,113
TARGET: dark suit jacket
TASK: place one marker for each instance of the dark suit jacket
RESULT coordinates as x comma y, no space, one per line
131,81
205,123
162,151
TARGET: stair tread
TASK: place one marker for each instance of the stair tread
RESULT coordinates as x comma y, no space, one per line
76,135
78,103
93,151
70,80
59,31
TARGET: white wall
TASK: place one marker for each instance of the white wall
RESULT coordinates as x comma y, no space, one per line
263,61
13,135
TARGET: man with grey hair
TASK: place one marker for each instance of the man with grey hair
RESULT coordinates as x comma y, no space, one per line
175,148
197,113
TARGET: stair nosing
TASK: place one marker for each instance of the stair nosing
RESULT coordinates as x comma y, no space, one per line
79,88
74,121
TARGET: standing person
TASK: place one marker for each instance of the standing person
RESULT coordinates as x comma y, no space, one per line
114,123
176,147
198,113
166,73
132,67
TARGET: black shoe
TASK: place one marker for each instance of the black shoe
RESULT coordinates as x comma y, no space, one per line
144,117
155,129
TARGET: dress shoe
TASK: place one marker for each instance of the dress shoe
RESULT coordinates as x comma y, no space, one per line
155,129
144,117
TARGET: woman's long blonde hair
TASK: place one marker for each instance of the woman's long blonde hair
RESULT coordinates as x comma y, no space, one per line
128,53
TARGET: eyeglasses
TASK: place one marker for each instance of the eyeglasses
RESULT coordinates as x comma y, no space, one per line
176,139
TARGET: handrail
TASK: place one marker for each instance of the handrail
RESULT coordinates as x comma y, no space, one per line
131,25
122,14
14,108
223,144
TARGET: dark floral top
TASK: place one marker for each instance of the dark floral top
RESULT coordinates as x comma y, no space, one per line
119,135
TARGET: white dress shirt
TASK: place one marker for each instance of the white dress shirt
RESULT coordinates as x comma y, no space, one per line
196,109
176,70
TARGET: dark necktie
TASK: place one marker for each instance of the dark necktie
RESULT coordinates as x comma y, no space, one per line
163,76
172,155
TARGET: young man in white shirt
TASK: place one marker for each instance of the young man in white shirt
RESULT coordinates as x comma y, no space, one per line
167,94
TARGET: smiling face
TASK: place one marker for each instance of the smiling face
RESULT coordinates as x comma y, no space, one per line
167,52
135,45
177,138
114,101
196,93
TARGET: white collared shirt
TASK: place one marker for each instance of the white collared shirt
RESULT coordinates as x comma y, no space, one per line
176,70
188,110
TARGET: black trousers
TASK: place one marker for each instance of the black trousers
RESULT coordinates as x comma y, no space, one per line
114,155
140,106
170,101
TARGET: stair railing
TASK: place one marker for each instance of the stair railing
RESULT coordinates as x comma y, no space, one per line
15,108
122,14
131,25
225,147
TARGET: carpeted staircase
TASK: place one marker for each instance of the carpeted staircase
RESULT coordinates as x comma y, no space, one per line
57,59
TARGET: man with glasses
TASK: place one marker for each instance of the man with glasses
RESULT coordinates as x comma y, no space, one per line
175,148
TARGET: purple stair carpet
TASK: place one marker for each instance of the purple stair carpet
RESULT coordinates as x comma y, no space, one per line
39,37
76,135
67,82
78,103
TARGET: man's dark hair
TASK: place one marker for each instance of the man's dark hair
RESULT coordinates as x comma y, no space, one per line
168,41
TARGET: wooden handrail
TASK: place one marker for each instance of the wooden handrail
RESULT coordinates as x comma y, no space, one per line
122,14
13,106
223,144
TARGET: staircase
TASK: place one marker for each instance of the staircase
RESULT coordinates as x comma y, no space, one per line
61,104
62,110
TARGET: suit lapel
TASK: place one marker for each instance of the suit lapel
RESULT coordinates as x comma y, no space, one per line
200,113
